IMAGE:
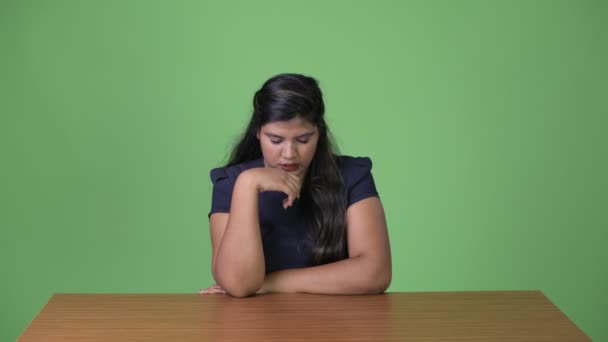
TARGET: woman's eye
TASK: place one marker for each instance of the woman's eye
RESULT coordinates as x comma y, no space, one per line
276,142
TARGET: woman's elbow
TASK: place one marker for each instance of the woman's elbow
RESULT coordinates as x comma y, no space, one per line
380,281
239,287
384,282
240,292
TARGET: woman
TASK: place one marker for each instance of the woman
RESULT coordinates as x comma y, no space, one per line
287,214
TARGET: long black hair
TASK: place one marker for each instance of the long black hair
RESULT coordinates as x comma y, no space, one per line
323,198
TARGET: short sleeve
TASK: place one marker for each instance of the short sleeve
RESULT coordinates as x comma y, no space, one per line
358,179
222,191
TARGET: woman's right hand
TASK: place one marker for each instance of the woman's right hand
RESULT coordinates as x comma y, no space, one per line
275,179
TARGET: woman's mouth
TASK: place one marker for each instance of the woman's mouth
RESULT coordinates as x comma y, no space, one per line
288,167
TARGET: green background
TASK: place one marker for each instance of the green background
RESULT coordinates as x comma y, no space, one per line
486,122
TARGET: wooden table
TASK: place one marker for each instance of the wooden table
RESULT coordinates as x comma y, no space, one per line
427,316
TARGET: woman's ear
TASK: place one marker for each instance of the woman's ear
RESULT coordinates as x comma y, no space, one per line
257,135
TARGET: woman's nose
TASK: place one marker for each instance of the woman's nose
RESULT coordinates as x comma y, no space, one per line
289,151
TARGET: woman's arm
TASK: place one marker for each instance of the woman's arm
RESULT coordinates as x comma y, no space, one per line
238,257
367,270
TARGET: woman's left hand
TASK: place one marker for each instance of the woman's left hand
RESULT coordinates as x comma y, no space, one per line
213,289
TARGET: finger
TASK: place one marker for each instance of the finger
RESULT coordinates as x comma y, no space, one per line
298,179
212,291
218,288
291,197
297,182
289,180
211,288
290,189
297,185
294,183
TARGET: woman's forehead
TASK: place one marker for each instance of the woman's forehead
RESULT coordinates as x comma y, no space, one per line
294,126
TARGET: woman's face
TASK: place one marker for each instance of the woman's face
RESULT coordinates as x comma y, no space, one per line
289,145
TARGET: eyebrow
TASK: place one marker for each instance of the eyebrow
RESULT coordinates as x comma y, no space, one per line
305,135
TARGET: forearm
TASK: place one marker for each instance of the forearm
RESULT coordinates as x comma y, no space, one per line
239,264
355,275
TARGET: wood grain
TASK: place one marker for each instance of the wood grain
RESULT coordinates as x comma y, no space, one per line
429,316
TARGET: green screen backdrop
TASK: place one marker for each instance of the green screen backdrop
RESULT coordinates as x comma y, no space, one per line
486,122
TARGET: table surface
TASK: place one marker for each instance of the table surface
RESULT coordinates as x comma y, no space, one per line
396,316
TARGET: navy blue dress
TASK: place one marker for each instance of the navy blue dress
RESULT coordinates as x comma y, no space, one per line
284,235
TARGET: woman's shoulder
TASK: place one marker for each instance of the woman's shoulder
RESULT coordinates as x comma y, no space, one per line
354,168
358,178
349,163
233,171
